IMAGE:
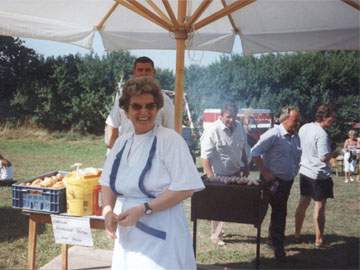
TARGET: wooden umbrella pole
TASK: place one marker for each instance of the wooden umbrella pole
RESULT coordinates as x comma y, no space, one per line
179,80
180,36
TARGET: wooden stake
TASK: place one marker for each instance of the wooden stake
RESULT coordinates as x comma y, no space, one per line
32,244
64,257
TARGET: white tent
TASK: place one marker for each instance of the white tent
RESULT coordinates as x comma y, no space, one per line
263,25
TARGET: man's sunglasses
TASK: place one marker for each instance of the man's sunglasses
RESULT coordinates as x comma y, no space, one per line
148,106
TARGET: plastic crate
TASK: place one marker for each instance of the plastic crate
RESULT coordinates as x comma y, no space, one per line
39,199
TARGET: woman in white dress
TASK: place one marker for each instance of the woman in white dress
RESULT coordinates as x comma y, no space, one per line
146,176
350,156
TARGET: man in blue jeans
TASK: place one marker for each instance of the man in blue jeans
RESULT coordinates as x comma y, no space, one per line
277,155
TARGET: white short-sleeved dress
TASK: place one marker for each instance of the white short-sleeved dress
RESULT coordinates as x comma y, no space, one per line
160,240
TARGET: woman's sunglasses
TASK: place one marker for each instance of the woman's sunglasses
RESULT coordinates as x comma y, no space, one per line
148,106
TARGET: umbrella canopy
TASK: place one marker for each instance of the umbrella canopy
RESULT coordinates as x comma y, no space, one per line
263,25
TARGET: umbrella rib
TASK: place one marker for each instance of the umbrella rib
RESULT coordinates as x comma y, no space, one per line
223,12
149,13
352,3
146,14
100,25
197,13
171,13
231,19
158,11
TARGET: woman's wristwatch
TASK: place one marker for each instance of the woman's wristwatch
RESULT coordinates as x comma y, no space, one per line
147,210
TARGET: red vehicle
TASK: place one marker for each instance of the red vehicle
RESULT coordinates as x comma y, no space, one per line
255,121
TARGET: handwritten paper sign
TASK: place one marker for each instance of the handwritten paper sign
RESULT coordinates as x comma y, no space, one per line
72,230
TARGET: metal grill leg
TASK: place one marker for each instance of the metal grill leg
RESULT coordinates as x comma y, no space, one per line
194,236
257,262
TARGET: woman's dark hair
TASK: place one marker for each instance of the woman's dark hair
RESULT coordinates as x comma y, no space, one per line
324,111
140,86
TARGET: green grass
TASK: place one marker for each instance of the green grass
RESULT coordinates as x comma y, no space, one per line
31,157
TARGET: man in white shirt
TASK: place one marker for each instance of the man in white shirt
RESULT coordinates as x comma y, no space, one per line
223,151
315,172
117,120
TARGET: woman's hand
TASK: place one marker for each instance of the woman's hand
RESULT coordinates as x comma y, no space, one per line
5,162
111,224
131,216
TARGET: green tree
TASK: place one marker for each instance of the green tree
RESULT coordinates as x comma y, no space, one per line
18,68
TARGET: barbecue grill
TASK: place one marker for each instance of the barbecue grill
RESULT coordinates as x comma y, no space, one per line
233,203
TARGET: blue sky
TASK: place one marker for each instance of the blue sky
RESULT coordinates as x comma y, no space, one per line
162,58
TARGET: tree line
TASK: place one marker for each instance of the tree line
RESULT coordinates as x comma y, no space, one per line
76,92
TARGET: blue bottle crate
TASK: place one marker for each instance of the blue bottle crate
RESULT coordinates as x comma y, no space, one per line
47,200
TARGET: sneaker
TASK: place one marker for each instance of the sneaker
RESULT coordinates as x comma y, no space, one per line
351,179
321,245
346,181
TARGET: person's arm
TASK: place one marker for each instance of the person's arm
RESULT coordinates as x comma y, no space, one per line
165,200
324,148
168,119
113,122
113,134
246,170
264,144
268,176
346,145
207,149
108,201
207,168
327,157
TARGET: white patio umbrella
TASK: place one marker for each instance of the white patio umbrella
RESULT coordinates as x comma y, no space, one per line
263,26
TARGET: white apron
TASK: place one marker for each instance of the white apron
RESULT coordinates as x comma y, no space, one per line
160,240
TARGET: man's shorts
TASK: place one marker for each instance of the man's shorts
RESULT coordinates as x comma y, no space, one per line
318,189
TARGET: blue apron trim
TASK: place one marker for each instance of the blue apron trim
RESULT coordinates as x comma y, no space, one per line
114,170
150,230
146,168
